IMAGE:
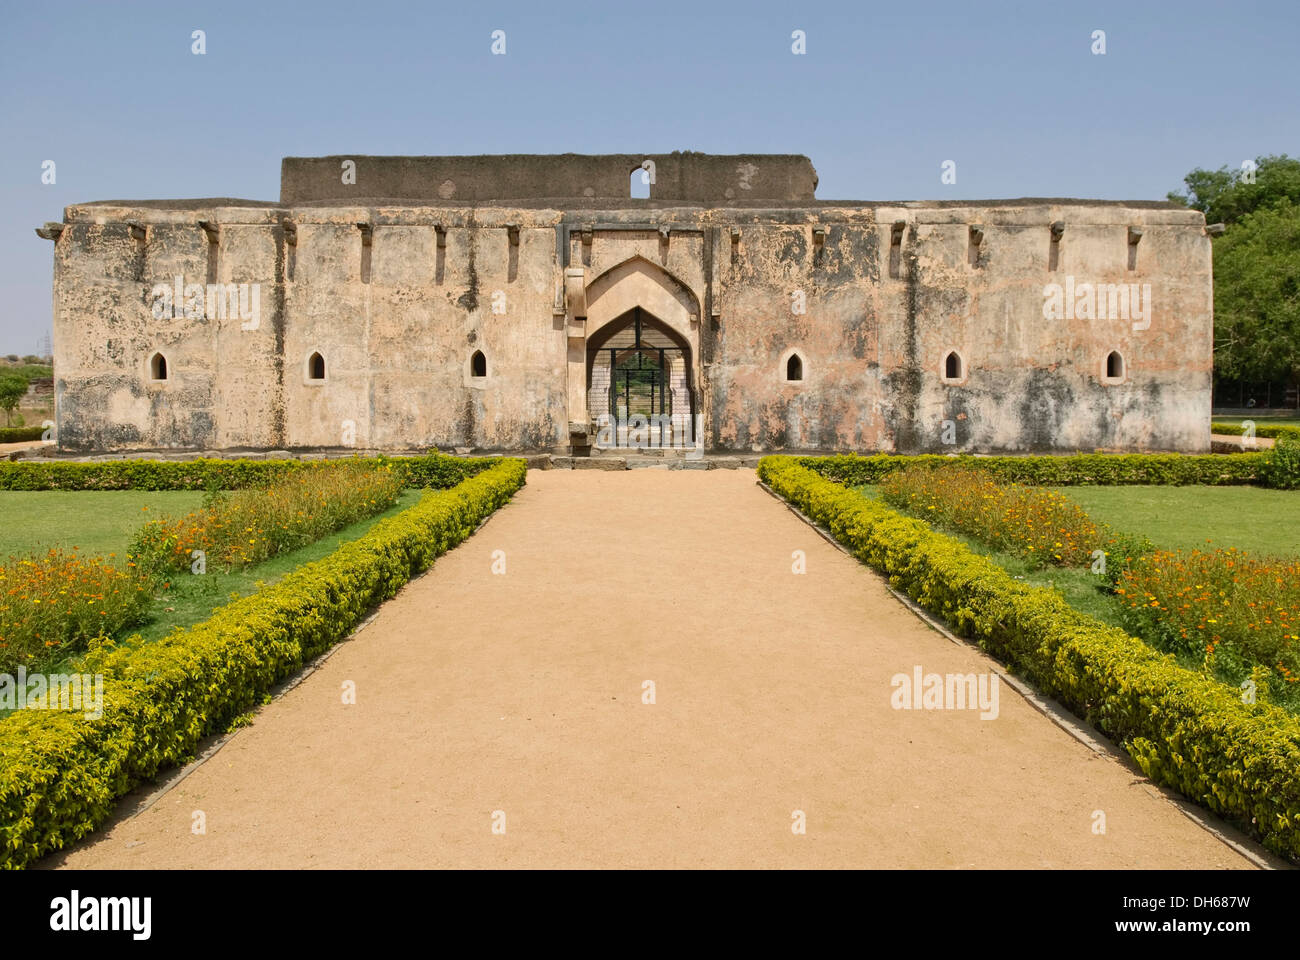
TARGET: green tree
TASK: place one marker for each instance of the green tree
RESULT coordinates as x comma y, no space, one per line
1257,296
12,390
1225,195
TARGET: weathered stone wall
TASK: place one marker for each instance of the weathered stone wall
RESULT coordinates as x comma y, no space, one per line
873,345
678,177
398,306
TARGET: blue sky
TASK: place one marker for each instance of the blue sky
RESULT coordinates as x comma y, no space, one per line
885,93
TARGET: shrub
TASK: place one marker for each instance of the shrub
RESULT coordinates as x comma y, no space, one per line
1123,549
20,434
435,470
1030,522
1281,466
249,526
1262,429
1174,469
1183,729
1239,611
62,773
54,605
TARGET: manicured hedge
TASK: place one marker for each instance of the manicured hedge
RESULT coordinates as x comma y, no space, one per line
1264,429
61,774
20,434
432,470
1183,729
1101,469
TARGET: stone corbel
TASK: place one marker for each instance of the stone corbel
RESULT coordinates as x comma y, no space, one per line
51,231
575,294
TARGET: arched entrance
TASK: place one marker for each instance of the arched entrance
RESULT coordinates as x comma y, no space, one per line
632,370
639,387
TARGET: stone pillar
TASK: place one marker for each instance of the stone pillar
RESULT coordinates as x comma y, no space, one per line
581,432
681,395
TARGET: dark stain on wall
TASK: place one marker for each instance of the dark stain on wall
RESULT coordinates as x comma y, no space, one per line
793,248
851,253
469,299
1045,399
277,327
904,384
469,422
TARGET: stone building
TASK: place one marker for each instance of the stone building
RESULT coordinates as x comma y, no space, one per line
532,303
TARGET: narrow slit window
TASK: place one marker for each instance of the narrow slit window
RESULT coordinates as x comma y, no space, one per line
478,364
794,368
158,367
290,249
367,239
316,367
896,249
952,366
214,248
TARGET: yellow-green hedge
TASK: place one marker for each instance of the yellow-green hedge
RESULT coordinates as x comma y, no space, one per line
435,470
61,774
1100,469
1262,428
1183,729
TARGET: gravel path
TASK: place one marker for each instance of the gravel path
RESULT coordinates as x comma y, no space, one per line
522,693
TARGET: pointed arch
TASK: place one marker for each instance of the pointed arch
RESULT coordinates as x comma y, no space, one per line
637,282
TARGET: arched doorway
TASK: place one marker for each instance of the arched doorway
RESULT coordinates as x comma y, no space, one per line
632,346
639,384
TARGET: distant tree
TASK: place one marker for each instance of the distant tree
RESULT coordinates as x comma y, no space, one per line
1225,195
31,358
1257,296
1256,266
12,390
12,358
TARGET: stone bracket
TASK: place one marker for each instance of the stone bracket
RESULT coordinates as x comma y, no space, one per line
575,293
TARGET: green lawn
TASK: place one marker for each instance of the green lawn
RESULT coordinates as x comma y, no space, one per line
1181,518
104,521
95,521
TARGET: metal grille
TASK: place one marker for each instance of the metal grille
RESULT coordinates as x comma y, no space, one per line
640,359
